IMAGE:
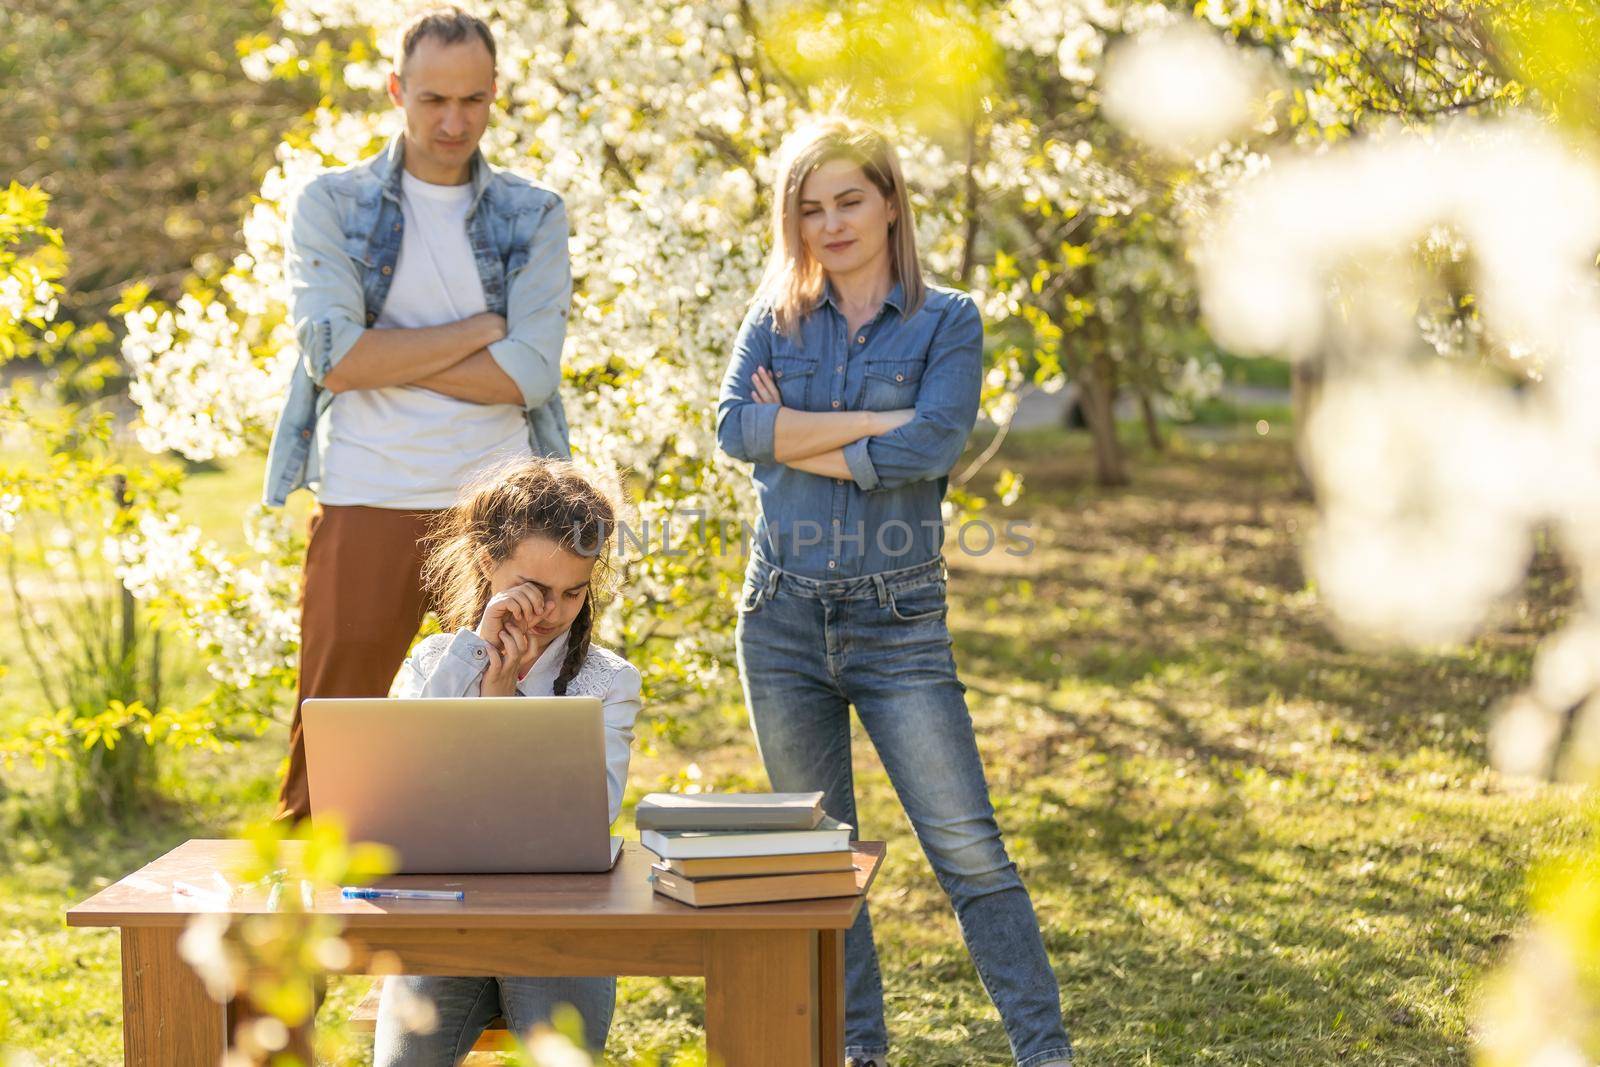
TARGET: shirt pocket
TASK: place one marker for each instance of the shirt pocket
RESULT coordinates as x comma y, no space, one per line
513,237
356,247
358,217
514,216
794,374
892,383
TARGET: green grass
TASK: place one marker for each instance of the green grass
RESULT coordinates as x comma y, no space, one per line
215,499
1221,411
1246,843
1255,370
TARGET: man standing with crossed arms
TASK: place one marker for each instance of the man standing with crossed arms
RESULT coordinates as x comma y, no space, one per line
429,293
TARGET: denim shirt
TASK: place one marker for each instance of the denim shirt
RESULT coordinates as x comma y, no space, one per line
887,515
345,229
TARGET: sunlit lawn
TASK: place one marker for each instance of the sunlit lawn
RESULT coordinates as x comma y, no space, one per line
1247,844
215,498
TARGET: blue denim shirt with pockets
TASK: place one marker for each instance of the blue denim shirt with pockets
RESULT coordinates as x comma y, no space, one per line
887,515
345,229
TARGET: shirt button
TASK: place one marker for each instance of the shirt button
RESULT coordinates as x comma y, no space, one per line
861,340
478,652
305,435
388,270
371,318
832,564
899,377
777,374
840,368
397,227
835,403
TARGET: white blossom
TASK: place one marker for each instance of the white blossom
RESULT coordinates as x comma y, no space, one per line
241,614
1432,480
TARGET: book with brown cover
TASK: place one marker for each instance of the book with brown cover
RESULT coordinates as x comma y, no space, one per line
747,866
710,892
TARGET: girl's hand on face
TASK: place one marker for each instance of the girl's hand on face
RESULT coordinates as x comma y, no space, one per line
764,387
518,648
500,679
521,605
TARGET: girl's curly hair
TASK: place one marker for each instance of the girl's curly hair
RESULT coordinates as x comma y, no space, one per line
494,514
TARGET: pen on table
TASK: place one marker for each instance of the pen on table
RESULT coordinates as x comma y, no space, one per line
351,892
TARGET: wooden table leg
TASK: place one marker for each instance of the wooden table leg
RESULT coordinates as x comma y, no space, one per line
302,1039
761,998
830,997
168,1020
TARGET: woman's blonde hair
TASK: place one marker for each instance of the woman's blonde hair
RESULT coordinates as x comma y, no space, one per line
500,509
793,280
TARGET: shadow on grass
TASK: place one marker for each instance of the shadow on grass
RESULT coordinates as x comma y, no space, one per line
1246,842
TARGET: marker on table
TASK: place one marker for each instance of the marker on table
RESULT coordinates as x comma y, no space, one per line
351,892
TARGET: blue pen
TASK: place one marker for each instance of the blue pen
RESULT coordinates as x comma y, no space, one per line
351,892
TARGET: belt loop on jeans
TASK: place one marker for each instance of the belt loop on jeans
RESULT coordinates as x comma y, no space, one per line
772,580
882,590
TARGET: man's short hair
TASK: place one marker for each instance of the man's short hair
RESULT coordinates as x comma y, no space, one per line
447,25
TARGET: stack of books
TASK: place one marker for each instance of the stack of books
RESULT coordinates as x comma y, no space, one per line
745,848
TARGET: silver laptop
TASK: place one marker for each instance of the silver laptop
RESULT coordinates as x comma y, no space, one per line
481,785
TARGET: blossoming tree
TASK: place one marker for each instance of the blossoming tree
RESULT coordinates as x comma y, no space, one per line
657,123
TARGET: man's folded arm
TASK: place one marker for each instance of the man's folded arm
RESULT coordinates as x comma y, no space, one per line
477,379
325,302
329,313
538,299
381,358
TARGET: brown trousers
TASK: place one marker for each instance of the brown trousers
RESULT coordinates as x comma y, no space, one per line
361,602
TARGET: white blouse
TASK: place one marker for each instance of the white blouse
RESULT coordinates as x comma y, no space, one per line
452,665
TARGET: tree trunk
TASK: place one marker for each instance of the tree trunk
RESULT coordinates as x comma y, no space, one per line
1099,409
1305,385
1152,425
969,241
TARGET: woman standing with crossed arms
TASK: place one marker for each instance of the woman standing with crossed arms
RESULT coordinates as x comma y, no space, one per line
852,389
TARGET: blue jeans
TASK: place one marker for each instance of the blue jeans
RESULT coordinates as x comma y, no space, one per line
465,1006
809,649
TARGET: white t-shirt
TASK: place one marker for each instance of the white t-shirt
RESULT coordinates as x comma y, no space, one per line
404,446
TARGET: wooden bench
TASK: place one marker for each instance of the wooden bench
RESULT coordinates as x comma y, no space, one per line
364,1019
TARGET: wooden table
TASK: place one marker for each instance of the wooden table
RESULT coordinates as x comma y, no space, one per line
774,972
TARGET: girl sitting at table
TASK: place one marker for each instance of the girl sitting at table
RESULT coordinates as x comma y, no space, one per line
516,568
